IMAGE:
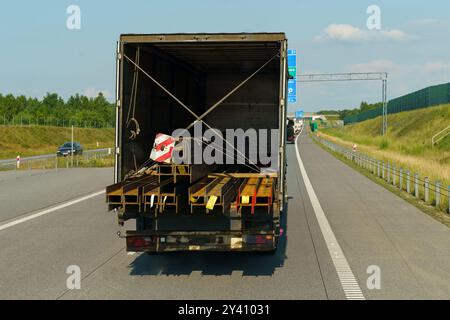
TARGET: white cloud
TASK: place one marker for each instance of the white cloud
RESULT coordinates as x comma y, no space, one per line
350,34
401,69
93,93
437,66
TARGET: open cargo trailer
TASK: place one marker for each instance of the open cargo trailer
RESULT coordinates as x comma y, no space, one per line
165,82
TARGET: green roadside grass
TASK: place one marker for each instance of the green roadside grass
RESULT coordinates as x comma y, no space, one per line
37,140
407,144
440,215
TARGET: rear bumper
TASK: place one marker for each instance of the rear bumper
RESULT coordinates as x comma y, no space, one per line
200,241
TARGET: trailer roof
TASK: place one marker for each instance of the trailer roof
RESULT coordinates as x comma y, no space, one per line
215,54
203,37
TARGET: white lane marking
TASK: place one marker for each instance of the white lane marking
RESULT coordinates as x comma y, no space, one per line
348,281
49,210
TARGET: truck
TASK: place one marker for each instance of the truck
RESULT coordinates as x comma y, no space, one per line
227,82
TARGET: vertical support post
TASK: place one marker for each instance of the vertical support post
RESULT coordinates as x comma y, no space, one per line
408,181
401,179
72,149
394,175
378,169
389,172
416,185
385,111
437,191
448,198
427,189
382,171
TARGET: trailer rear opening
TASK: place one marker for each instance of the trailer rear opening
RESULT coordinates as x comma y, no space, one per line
219,81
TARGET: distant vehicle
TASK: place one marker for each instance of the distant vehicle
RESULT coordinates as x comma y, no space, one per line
66,149
290,130
298,126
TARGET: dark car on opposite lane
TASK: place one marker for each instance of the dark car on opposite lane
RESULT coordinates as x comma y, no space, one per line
66,149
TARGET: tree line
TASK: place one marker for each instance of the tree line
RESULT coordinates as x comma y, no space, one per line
52,109
364,106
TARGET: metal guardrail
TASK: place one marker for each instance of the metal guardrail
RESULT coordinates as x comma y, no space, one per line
50,162
53,155
431,192
440,135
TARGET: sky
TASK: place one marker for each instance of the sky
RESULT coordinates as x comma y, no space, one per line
40,54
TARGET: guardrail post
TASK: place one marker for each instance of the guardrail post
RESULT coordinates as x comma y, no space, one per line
401,179
416,185
378,169
389,173
448,198
408,181
394,175
383,175
438,193
427,190
56,163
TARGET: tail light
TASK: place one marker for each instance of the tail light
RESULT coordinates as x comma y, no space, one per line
259,239
139,242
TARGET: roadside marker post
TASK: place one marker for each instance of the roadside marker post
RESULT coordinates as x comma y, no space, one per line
394,175
389,172
18,162
408,182
401,179
438,193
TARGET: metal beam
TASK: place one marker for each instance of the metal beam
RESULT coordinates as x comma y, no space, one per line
327,77
359,76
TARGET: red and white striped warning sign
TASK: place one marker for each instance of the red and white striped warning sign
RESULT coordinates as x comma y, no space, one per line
163,148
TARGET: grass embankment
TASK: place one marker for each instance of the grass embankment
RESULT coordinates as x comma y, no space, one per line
38,140
440,214
407,144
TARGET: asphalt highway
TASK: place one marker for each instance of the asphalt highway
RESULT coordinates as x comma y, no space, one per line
388,249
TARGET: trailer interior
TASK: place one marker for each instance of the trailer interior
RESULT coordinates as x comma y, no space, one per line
197,206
